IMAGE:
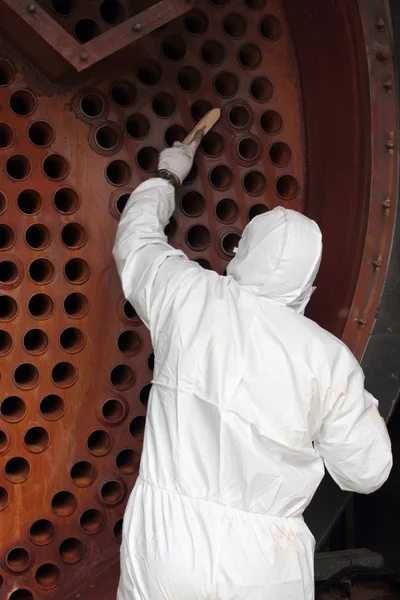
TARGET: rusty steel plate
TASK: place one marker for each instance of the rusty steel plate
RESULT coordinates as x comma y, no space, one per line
297,130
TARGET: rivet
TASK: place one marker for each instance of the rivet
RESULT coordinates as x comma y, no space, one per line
388,85
380,24
31,8
382,55
361,321
137,27
386,204
378,262
83,56
390,143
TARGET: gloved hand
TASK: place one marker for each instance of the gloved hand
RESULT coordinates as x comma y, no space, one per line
178,160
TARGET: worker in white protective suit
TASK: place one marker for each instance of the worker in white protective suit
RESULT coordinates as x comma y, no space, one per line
250,400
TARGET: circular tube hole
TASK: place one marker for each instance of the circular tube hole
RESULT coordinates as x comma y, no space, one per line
77,270
26,376
130,343
287,187
18,167
256,4
118,530
118,172
3,203
8,272
30,202
164,105
194,171
6,135
130,312
112,12
5,342
198,237
36,439
147,159
41,133
7,237
128,462
22,103
280,154
121,202
257,209
66,200
189,79
261,89
205,264
123,93
17,469
219,3
72,340
234,26
250,56
47,576
226,84
7,73
8,308
199,109
76,305
42,532
248,149
213,144
227,211
13,409
149,71
41,271
136,428
107,137
37,236
74,235
83,473
254,183
122,377
65,8
92,521
41,306
212,53
113,411
271,28
63,504
239,116
271,122
4,441
171,229
175,133
18,560
221,177
173,47
145,394
99,442
64,374
52,407
86,30
55,167
21,594
137,126
112,492
36,341
229,242
92,105
4,498
193,204
196,22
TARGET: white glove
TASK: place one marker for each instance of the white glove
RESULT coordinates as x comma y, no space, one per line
178,160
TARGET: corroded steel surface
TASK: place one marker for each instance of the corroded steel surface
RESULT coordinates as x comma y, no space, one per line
76,362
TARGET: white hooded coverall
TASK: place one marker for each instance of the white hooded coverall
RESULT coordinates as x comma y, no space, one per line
249,400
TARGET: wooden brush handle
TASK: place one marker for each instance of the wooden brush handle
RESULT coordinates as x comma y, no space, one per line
204,124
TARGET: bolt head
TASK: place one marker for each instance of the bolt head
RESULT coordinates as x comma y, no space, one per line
137,27
31,8
83,56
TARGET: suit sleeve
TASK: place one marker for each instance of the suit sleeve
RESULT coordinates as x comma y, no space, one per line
353,440
152,272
